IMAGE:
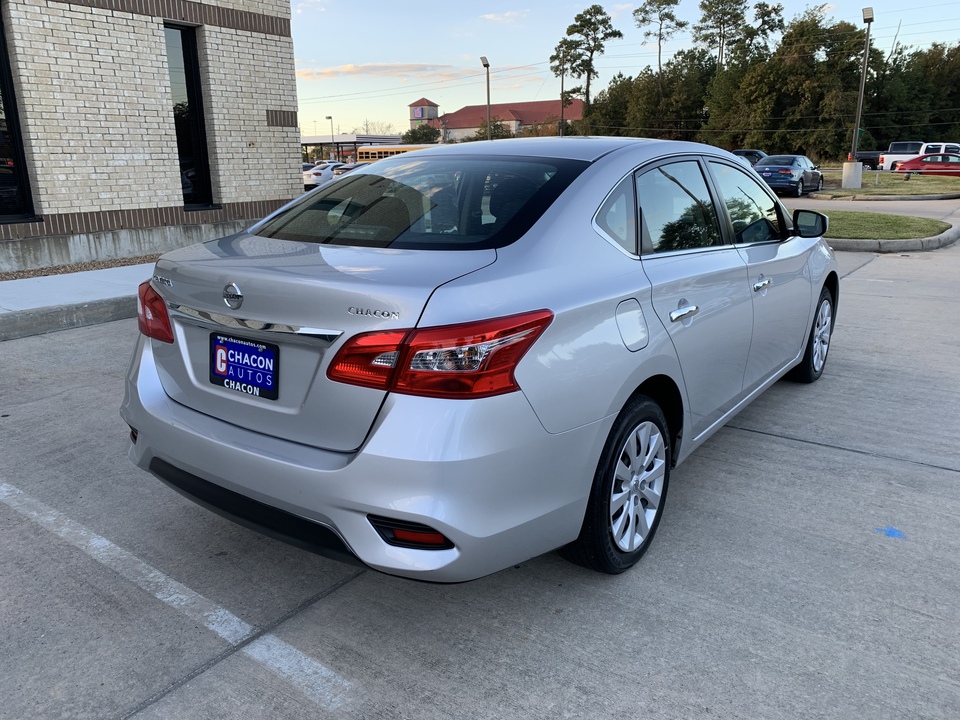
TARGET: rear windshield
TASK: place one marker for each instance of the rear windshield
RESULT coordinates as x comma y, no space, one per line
905,147
777,160
439,203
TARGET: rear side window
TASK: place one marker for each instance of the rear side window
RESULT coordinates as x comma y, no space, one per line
905,148
752,211
448,203
676,210
617,217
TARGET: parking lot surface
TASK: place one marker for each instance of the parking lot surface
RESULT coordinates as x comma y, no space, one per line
808,564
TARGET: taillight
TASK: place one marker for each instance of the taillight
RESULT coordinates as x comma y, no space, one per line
152,317
881,159
785,172
470,360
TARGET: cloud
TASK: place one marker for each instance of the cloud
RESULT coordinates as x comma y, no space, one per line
507,17
299,7
422,72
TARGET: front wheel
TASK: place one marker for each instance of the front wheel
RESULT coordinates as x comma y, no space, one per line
628,493
819,183
818,343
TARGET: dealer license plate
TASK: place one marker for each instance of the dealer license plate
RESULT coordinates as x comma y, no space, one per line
250,367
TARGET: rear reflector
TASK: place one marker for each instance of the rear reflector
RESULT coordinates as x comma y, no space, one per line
469,360
401,533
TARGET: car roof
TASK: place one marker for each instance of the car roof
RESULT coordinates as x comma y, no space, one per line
588,148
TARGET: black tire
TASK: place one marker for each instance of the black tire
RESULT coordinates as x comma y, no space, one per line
642,486
893,166
818,342
799,191
819,184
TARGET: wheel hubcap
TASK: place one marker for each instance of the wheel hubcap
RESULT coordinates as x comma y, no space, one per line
821,335
637,486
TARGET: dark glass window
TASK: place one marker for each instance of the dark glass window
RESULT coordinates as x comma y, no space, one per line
676,208
437,203
188,114
15,203
752,211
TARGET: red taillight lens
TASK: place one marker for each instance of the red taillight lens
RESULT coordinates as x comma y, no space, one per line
470,360
785,172
368,359
152,317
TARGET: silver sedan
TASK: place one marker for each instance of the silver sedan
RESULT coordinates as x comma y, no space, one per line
443,365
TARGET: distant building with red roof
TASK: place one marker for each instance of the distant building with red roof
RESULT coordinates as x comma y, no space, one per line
467,121
422,111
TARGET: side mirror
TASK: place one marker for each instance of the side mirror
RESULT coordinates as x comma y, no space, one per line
809,223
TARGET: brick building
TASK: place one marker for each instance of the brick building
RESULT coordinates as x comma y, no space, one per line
135,126
467,121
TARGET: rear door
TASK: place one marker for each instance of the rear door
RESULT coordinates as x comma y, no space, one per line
699,286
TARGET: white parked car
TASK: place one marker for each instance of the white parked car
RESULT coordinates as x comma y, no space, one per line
319,174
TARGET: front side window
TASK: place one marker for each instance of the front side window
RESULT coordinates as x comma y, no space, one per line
428,203
183,62
752,211
676,210
15,203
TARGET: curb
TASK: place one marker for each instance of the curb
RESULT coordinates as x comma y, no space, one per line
935,242
879,198
39,321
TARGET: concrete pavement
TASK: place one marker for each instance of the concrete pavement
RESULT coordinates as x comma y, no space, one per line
806,567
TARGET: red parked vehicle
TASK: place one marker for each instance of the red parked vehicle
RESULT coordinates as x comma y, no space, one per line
933,164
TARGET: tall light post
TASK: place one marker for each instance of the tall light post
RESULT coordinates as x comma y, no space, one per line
868,19
563,72
483,60
853,170
333,150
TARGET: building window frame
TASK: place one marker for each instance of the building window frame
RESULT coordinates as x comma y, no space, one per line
21,181
194,160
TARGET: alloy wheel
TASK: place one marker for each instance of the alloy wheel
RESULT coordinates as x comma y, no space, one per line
637,486
821,335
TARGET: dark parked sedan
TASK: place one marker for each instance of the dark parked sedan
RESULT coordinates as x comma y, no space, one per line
793,174
752,156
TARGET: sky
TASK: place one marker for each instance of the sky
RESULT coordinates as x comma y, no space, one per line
364,63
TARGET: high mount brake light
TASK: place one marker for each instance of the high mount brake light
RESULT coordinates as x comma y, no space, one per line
469,360
152,317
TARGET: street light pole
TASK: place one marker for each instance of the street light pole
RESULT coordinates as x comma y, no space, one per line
868,19
563,73
483,59
333,151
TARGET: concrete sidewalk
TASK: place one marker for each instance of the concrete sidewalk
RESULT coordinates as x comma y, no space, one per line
33,306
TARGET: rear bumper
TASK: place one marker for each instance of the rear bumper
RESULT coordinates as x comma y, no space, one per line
484,473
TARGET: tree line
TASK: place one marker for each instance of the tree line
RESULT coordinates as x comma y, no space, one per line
754,80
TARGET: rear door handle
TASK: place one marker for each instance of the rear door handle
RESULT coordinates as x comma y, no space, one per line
681,313
757,287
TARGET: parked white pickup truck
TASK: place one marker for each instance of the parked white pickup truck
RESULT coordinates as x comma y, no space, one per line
902,151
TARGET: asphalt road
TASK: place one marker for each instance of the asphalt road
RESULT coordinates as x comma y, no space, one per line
808,564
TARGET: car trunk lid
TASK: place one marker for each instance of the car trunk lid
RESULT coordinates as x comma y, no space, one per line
257,321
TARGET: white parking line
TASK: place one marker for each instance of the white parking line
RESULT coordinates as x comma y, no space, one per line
318,682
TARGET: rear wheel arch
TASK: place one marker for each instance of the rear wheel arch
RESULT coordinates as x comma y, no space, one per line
664,391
